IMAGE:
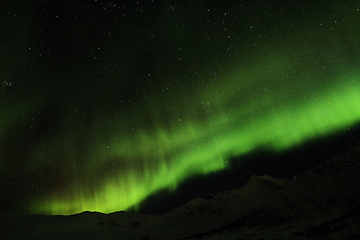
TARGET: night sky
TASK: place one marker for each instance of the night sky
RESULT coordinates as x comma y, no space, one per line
104,104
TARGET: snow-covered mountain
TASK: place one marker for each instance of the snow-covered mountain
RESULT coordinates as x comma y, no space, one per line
322,203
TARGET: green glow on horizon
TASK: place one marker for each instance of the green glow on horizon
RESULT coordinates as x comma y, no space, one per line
167,158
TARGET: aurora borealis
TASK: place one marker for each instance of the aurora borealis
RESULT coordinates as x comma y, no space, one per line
104,103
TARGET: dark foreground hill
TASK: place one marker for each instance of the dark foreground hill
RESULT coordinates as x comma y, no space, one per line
322,203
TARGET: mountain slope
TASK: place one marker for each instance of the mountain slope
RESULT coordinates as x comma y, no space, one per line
321,202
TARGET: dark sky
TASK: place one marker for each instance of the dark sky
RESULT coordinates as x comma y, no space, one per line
105,103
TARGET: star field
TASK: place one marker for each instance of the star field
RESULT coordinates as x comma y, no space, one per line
104,103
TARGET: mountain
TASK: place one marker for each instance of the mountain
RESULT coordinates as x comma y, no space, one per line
321,203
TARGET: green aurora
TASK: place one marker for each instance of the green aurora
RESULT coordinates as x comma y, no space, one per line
166,157
93,150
